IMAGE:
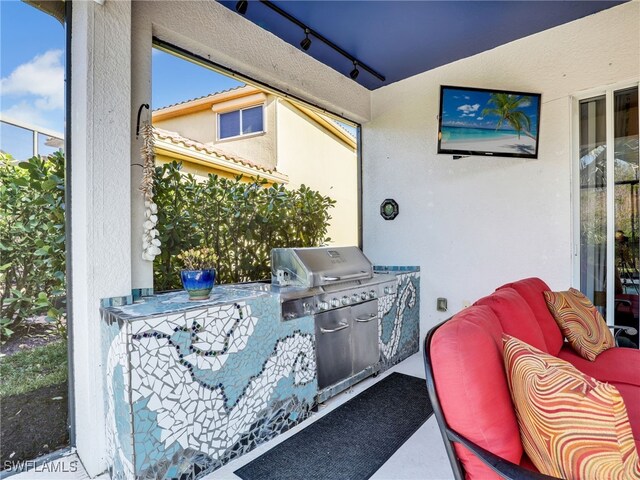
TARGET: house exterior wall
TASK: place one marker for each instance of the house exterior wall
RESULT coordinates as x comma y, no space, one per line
312,156
260,148
476,223
203,127
199,126
192,168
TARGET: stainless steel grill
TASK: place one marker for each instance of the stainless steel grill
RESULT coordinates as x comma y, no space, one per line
338,287
316,280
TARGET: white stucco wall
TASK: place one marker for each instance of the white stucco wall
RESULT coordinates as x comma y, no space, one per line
308,154
476,223
100,202
214,32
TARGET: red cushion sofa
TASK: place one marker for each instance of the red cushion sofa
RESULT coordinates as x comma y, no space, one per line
468,385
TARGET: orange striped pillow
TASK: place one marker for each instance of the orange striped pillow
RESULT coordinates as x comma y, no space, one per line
580,322
571,425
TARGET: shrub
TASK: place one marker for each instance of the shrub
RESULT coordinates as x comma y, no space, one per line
32,240
241,221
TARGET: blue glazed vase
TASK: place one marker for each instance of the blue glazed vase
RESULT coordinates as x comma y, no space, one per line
198,283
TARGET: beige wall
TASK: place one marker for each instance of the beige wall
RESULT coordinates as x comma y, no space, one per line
310,155
198,126
203,127
193,168
259,148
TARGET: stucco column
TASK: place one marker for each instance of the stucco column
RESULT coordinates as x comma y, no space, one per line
141,46
101,201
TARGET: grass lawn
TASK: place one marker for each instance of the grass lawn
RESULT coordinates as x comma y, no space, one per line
35,368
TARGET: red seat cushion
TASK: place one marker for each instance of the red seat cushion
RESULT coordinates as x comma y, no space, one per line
631,397
466,356
531,289
617,364
516,317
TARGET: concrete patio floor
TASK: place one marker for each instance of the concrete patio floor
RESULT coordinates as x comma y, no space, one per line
422,457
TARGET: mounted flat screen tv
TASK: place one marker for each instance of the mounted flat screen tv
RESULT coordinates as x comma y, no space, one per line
498,123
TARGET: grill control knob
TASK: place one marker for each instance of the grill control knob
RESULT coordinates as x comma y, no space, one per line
355,298
388,290
323,306
372,294
363,296
345,300
335,302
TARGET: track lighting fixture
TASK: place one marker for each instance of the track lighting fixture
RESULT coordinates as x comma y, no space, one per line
355,72
306,42
241,7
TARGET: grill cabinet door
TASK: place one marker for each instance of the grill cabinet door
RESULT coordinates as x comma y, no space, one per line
364,336
333,350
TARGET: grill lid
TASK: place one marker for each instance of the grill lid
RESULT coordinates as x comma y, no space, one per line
313,267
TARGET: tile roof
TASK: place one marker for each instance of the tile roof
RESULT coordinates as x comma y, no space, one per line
200,98
178,139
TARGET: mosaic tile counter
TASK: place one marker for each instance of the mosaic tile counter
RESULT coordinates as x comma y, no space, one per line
193,385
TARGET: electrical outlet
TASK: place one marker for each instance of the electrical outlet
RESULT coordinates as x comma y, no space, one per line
466,303
441,304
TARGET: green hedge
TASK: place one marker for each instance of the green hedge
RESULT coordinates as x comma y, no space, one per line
241,221
32,240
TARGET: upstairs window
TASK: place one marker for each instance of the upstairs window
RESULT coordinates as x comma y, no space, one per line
240,122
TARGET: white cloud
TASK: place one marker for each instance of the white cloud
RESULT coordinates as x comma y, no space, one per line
467,98
469,108
41,77
480,118
27,113
468,115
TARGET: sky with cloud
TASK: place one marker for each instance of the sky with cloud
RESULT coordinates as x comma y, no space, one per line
32,67
32,70
463,108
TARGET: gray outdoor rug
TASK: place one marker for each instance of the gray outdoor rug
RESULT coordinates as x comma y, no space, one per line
354,440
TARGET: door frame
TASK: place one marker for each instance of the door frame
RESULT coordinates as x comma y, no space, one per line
607,91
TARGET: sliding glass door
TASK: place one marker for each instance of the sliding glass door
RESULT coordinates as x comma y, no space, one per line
608,228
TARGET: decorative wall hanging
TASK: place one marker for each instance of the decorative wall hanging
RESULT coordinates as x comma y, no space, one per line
150,240
389,209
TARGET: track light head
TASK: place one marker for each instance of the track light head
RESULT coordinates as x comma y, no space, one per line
241,7
306,41
355,72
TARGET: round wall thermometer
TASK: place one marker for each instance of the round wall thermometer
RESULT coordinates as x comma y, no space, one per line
389,209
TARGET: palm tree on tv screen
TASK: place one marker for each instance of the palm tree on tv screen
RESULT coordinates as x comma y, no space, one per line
507,107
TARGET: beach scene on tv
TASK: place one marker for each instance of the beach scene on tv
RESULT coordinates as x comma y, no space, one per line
484,121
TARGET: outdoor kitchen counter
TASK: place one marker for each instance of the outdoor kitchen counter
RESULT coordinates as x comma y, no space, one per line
172,302
193,384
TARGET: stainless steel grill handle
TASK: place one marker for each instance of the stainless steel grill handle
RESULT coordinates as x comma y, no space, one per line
341,326
352,276
367,318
